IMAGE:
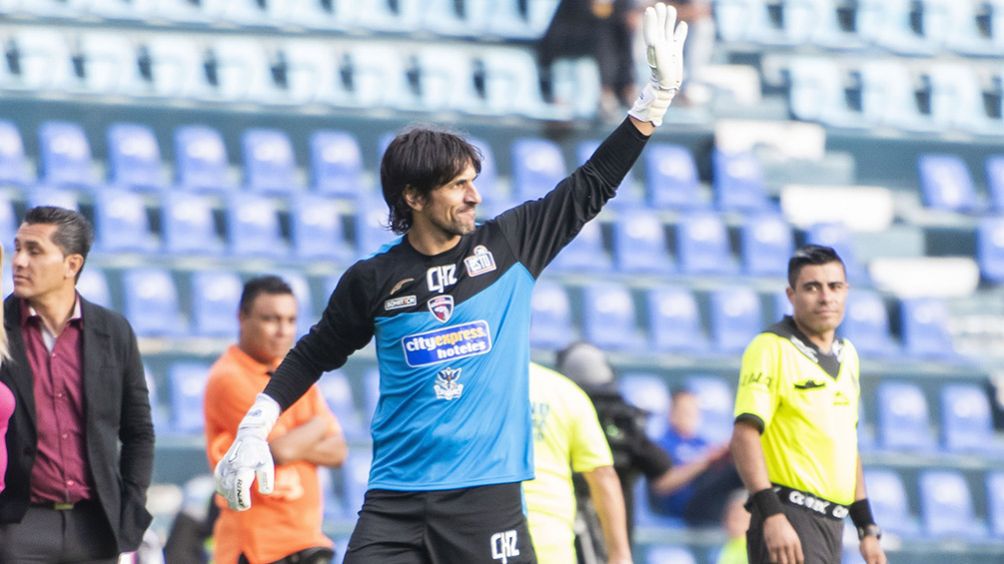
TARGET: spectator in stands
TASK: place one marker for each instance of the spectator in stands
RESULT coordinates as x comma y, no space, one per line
567,437
80,454
795,436
600,29
285,525
709,471
448,304
735,521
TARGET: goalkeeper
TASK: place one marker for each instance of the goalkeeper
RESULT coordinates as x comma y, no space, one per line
448,305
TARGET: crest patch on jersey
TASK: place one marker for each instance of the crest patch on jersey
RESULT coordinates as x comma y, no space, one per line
442,307
447,387
480,262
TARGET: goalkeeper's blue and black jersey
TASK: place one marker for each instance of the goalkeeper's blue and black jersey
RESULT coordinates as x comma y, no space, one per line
452,336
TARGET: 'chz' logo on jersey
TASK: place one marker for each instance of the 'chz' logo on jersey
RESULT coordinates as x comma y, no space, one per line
439,278
480,262
442,307
446,385
504,546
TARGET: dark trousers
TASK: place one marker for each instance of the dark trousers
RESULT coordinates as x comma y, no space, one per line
820,536
49,536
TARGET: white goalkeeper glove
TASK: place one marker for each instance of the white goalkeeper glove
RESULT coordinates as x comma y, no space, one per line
664,42
249,456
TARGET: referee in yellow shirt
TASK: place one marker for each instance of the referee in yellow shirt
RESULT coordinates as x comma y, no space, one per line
795,438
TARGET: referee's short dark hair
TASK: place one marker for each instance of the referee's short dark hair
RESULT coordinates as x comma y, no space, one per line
423,158
268,284
811,254
73,235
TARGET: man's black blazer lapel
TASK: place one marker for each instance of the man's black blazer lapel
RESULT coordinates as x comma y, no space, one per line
17,368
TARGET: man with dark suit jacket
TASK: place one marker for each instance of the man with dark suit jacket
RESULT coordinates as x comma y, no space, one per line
80,446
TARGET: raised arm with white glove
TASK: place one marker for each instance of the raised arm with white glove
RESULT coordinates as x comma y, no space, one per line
664,41
249,456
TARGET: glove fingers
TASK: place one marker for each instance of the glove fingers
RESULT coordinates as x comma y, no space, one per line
242,489
681,35
266,478
668,22
650,25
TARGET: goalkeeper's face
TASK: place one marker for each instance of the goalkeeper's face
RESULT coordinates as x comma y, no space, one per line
452,207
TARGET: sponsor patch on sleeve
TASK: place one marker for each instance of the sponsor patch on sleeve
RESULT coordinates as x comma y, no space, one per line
449,343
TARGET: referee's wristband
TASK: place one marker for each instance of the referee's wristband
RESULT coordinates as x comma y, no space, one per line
767,502
861,513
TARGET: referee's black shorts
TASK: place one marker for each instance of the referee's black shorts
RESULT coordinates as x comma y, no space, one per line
464,526
821,536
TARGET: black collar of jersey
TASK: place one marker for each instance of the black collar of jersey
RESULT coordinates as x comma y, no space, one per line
830,363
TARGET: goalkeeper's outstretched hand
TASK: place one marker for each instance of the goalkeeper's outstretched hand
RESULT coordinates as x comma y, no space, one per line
249,456
664,40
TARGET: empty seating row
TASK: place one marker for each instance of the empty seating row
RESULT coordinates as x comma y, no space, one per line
502,19
946,183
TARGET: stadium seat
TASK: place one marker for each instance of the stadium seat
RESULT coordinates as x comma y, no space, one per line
903,419
151,302
371,392
396,17
735,318
974,29
512,84
671,180
668,554
317,229
514,19
702,245
674,320
172,67
187,382
608,317
121,223
888,97
995,502
269,162
305,316
738,181
537,167
65,155
995,178
990,248
337,392
781,306
716,400
966,419
455,19
946,505
336,163
134,157
957,99
243,71
904,27
586,252
188,225
889,501
253,226
216,295
494,198
376,78
51,196
767,244
551,326
372,232
93,286
355,478
945,183
9,222
38,59
639,243
866,324
626,197
108,64
816,92
649,392
14,167
575,86
443,80
841,239
313,69
924,328
202,162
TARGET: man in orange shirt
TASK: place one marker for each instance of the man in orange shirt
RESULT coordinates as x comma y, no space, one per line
284,526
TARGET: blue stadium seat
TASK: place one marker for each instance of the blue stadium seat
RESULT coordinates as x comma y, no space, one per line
451,18
305,317
317,230
121,222
767,244
702,245
674,320
781,305
269,161
514,19
487,182
990,248
14,167
9,221
995,502
551,326
671,180
945,183
889,501
93,286
840,238
371,227
151,302
899,26
966,420
586,252
903,421
187,382
65,155
627,196
336,163
738,181
649,392
52,196
608,317
134,157
187,224
716,399
337,392
355,478
216,295
371,392
639,243
866,324
995,178
397,17
946,505
253,226
735,318
669,554
201,159
924,328
537,167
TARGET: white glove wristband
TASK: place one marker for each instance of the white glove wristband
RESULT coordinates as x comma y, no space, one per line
652,103
260,419
249,456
